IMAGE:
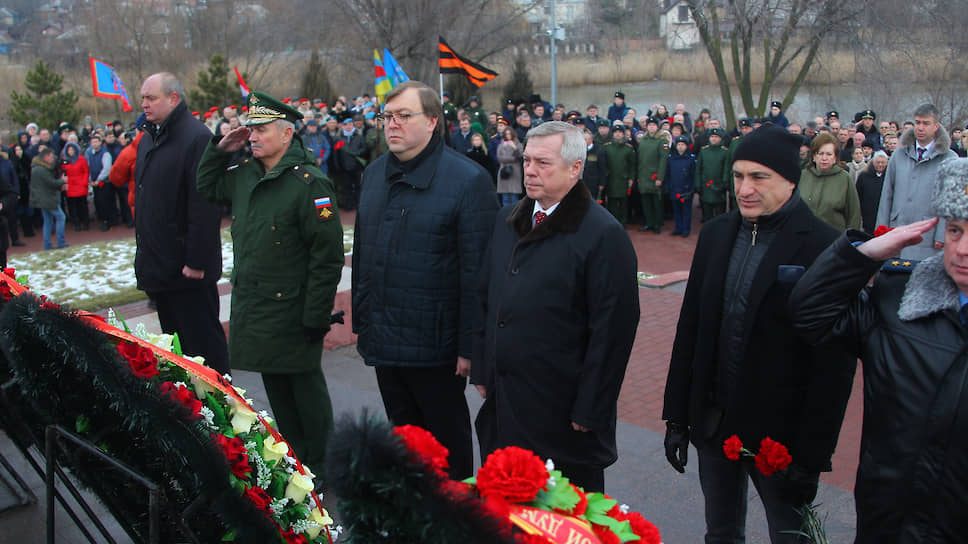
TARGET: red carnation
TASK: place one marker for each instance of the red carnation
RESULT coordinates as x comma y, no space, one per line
10,272
182,395
292,538
732,448
629,191
678,195
259,497
512,474
655,177
236,454
772,457
881,230
709,183
140,359
605,535
339,145
425,447
647,532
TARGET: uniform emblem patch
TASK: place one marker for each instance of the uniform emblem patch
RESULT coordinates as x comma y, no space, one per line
323,207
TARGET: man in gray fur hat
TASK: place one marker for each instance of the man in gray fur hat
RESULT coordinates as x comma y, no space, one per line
910,330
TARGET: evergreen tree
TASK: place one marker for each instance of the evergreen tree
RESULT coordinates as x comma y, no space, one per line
519,87
214,88
44,102
315,83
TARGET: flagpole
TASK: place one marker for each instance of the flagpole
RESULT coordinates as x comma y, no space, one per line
93,83
441,85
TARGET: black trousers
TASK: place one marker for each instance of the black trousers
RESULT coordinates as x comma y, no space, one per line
193,314
431,398
105,205
121,195
77,210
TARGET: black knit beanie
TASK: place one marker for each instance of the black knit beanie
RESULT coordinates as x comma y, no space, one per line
774,147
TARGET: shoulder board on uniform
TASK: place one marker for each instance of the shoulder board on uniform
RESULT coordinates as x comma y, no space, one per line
899,265
235,166
303,174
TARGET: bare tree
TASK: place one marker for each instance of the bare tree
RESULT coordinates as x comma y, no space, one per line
786,34
478,29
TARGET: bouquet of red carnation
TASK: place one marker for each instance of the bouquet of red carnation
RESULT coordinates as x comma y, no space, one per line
772,457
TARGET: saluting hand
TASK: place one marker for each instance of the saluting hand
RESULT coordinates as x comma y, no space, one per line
234,140
891,243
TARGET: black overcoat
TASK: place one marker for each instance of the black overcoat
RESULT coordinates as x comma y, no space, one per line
788,390
174,225
560,307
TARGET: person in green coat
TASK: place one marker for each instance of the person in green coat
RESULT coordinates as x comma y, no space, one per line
620,159
288,253
712,180
827,188
653,156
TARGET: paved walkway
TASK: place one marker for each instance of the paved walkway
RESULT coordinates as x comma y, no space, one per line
641,477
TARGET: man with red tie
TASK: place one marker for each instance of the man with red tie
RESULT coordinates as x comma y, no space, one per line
559,308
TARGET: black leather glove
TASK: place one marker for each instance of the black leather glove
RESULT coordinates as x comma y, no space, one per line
797,486
677,445
315,334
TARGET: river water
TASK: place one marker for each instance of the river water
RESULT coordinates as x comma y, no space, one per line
811,100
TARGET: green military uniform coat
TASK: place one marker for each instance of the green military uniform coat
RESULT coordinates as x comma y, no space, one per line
713,179
620,159
653,157
450,112
711,174
288,256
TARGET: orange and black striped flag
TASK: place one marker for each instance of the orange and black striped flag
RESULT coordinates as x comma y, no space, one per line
452,63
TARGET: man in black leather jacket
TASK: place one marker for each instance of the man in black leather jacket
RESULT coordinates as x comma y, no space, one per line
910,331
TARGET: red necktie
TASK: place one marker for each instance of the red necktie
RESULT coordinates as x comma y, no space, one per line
539,217
921,151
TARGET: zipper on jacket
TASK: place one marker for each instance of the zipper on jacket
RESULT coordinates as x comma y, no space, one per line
754,234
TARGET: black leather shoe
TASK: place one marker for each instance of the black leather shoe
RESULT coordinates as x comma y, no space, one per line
17,243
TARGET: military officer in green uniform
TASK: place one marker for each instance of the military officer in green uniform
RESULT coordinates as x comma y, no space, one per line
288,246
604,135
450,110
745,127
712,176
653,156
475,112
620,161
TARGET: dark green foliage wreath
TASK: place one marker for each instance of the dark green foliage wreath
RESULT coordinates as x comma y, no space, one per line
69,374
385,495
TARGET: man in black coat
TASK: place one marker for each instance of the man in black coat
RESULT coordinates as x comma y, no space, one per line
560,305
421,231
909,329
738,367
179,255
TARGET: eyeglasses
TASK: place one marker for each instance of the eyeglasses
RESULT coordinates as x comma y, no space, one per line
399,118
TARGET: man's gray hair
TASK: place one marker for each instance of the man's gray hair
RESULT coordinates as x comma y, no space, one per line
171,84
573,146
927,110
